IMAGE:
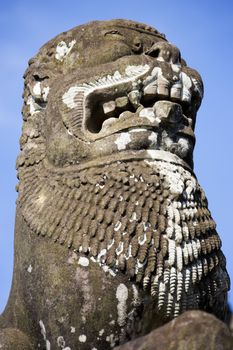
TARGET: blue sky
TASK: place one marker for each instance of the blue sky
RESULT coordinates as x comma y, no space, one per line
203,30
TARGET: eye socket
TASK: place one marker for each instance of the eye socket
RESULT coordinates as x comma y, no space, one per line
114,33
137,45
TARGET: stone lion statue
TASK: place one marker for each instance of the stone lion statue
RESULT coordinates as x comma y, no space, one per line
113,236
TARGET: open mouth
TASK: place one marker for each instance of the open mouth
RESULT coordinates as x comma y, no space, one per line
120,102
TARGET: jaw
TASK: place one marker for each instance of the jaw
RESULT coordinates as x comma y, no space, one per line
139,104
114,102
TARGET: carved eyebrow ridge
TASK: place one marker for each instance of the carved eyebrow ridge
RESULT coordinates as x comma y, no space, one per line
113,32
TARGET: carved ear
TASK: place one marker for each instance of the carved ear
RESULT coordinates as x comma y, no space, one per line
36,93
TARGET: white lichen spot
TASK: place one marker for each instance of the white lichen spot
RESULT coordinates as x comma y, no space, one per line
175,68
45,93
43,332
101,332
135,130
123,140
42,329
162,155
153,138
72,329
41,199
146,225
117,226
152,154
29,268
183,147
62,49
136,298
142,240
37,89
117,75
39,92
101,254
82,338
187,84
69,96
129,252
133,217
120,248
61,342
33,106
122,296
110,271
100,186
135,70
147,113
111,339
139,265
83,261
198,86
110,244
157,71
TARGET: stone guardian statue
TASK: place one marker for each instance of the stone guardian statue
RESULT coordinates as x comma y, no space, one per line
113,236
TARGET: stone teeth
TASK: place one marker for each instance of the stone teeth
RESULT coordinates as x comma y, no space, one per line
135,97
122,102
109,107
176,90
166,110
198,87
150,90
186,85
147,113
108,122
125,115
163,86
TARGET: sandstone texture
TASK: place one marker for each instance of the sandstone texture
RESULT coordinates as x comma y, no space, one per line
193,330
113,234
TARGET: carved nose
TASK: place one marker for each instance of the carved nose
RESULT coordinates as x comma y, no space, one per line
165,52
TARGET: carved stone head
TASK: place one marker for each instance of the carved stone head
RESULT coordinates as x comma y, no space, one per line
108,88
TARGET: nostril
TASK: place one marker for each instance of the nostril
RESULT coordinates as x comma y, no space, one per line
166,52
155,53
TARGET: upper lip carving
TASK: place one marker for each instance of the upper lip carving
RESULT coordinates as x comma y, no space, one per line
127,98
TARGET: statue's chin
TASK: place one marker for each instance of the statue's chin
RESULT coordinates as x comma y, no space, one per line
134,143
143,142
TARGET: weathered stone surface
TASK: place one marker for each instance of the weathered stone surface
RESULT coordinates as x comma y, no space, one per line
230,322
193,330
13,339
113,234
